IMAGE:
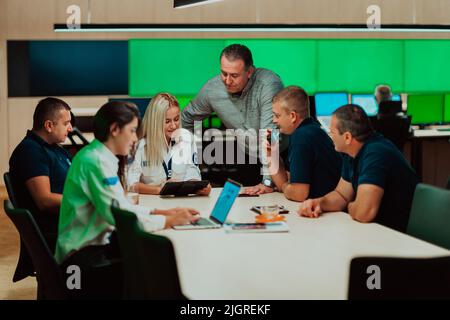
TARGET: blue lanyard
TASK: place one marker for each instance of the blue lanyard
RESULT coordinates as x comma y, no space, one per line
168,169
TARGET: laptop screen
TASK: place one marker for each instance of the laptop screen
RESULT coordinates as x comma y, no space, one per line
226,199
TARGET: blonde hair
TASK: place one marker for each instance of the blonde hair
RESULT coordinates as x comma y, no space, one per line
153,127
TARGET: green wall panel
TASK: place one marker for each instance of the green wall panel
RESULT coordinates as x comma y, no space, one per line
358,66
182,66
427,65
293,60
178,66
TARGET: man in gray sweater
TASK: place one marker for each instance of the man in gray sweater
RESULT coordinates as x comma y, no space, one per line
241,96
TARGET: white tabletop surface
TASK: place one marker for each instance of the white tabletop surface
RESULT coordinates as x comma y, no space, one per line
431,133
310,262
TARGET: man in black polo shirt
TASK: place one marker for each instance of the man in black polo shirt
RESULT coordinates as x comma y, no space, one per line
377,183
313,164
38,166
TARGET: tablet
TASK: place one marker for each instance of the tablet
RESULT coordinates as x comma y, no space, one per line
183,188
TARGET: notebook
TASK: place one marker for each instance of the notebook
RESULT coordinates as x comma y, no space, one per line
220,211
257,227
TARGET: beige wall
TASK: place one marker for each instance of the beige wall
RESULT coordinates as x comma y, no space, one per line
34,19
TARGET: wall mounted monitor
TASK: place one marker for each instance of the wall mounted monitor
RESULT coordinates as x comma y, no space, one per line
426,109
367,102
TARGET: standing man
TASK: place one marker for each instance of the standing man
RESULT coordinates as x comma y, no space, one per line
39,165
313,167
377,183
241,96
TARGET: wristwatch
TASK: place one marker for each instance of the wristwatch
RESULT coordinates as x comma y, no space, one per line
267,181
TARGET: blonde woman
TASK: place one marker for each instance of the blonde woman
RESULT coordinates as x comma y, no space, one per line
166,151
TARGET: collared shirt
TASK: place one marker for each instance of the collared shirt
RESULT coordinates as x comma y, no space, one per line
380,163
85,216
180,161
34,157
313,159
251,109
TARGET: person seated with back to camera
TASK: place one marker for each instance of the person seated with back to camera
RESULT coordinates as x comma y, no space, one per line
166,152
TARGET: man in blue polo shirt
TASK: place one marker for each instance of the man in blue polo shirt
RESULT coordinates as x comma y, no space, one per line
313,164
38,166
377,183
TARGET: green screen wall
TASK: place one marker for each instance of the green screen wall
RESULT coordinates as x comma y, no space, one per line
358,66
182,66
427,66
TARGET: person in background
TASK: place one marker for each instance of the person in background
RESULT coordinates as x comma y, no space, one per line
38,165
166,151
377,183
313,167
383,93
86,236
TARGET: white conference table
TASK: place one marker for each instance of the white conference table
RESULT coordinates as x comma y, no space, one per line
311,261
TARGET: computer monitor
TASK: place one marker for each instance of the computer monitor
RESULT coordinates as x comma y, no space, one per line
447,108
426,109
396,97
312,107
326,103
367,102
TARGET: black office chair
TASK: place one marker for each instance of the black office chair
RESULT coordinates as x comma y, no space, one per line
396,128
24,266
150,269
73,136
49,277
9,189
448,183
399,278
389,108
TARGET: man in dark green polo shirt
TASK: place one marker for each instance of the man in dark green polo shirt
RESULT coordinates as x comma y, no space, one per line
38,166
377,183
314,166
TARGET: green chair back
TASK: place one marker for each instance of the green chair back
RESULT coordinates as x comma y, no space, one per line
149,265
430,215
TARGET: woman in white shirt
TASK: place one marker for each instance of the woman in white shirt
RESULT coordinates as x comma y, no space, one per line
166,151
86,224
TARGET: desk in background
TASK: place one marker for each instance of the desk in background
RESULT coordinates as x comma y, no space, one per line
429,153
310,262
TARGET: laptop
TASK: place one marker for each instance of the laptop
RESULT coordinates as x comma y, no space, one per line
220,211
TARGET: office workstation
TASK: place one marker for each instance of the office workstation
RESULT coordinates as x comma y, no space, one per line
109,107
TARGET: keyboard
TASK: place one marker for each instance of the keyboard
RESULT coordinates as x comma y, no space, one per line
203,222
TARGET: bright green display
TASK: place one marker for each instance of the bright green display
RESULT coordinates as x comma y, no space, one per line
426,109
358,66
182,66
447,109
179,66
293,60
427,66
